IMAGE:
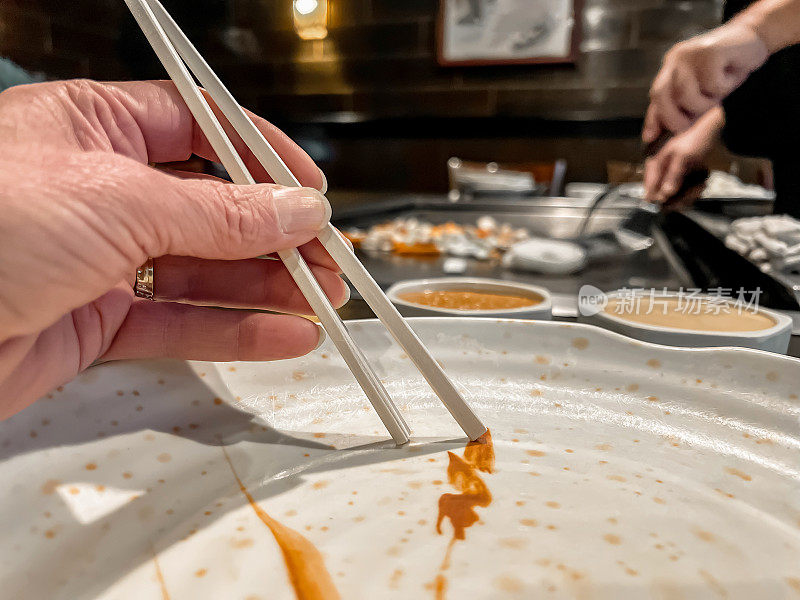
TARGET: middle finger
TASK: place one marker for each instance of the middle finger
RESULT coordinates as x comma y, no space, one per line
251,283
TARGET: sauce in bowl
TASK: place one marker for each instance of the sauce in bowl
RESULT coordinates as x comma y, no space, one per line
694,314
468,300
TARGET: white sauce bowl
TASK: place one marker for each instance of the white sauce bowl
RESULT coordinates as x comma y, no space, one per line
772,339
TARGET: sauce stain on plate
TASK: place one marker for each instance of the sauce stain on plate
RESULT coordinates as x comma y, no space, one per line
462,474
160,576
307,572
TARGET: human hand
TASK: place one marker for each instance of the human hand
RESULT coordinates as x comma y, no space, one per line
698,74
665,171
82,210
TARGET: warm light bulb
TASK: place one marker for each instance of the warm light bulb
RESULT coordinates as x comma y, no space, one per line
311,18
305,7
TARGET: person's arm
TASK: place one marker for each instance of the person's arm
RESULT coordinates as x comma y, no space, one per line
699,73
665,172
776,22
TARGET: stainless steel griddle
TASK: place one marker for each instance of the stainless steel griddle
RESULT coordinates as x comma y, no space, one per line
556,218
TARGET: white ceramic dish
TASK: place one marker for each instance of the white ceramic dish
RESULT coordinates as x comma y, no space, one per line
773,339
541,311
623,471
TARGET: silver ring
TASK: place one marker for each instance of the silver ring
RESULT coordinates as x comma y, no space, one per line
143,286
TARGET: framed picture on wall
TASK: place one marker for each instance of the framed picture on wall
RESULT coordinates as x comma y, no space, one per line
486,32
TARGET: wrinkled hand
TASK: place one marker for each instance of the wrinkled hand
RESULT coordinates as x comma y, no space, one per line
81,209
666,170
698,74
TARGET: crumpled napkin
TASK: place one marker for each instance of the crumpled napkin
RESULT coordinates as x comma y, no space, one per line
772,242
544,255
724,185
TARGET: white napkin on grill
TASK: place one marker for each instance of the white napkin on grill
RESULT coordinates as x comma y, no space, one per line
772,242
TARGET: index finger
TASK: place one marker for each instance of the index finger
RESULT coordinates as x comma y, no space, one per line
170,133
654,169
652,127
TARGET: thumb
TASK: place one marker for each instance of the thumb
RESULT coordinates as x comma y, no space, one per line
217,220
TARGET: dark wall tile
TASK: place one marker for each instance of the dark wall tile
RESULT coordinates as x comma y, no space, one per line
677,21
582,104
263,14
375,40
630,4
441,103
617,67
606,28
560,76
292,107
379,63
350,12
375,47
337,76
403,9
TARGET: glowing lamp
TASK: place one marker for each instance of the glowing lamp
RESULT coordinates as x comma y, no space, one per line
310,18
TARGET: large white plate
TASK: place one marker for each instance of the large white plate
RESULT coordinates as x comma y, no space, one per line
623,470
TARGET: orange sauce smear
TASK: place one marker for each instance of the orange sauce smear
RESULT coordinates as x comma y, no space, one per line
466,300
307,572
459,509
160,576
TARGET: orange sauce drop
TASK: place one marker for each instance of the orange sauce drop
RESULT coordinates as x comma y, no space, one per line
440,586
741,474
459,509
160,576
307,572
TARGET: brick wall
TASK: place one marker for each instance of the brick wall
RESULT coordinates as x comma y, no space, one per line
370,101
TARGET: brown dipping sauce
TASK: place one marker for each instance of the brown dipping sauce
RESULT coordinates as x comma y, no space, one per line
462,474
698,315
467,300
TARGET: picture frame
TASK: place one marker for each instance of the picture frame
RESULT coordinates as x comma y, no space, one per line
507,32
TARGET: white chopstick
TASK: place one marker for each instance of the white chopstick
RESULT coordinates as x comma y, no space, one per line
297,267
331,240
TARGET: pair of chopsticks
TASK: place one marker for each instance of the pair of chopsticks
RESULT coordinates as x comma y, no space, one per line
181,60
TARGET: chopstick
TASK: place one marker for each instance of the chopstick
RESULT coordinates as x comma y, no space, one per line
329,237
297,267
338,249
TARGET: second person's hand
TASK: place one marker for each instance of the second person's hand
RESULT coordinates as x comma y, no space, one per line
696,75
666,170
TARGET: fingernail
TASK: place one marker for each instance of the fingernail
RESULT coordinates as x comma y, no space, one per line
324,187
301,209
322,337
347,294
